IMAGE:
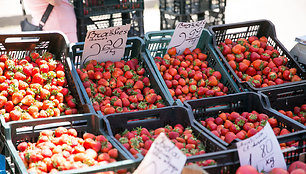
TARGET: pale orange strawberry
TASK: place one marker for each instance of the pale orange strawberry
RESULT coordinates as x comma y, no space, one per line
38,104
22,85
44,93
33,110
19,76
3,101
17,97
15,115
28,100
26,116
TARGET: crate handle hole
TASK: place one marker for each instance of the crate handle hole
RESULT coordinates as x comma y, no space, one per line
237,30
21,39
144,119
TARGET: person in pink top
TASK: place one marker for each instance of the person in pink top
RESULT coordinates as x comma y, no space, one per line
61,18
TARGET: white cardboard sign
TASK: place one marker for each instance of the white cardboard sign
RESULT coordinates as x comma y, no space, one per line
163,157
186,35
105,44
261,151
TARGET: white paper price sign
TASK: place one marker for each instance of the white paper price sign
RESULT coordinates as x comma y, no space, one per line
162,157
186,35
105,44
261,151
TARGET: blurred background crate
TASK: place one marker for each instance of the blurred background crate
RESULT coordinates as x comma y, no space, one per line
133,17
174,11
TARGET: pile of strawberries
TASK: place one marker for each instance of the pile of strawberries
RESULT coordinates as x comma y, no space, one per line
34,87
229,126
188,76
140,140
254,61
116,87
62,149
297,167
298,114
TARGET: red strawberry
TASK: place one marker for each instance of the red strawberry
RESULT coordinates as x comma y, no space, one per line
132,64
151,98
278,61
138,85
173,135
229,137
146,81
148,144
118,103
109,110
37,78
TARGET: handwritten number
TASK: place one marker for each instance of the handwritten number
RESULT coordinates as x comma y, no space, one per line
98,51
110,46
263,153
250,159
269,146
183,36
118,43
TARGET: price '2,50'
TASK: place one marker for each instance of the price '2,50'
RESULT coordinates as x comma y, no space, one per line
109,47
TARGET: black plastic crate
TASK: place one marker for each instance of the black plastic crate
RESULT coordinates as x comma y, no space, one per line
170,20
157,44
153,119
241,102
19,45
87,8
133,50
29,131
227,162
257,28
183,7
286,98
135,18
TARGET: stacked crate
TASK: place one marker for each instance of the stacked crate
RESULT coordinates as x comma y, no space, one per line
93,14
173,11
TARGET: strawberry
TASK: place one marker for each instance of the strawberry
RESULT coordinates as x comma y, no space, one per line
71,103
17,97
37,78
15,115
19,76
131,64
138,85
28,100
109,110
151,98
278,61
173,135
118,103
45,94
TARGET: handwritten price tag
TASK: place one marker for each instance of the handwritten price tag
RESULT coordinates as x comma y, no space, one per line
105,44
261,151
186,35
162,157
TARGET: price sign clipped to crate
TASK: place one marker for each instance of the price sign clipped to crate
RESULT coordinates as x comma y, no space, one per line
261,151
162,157
186,35
105,44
